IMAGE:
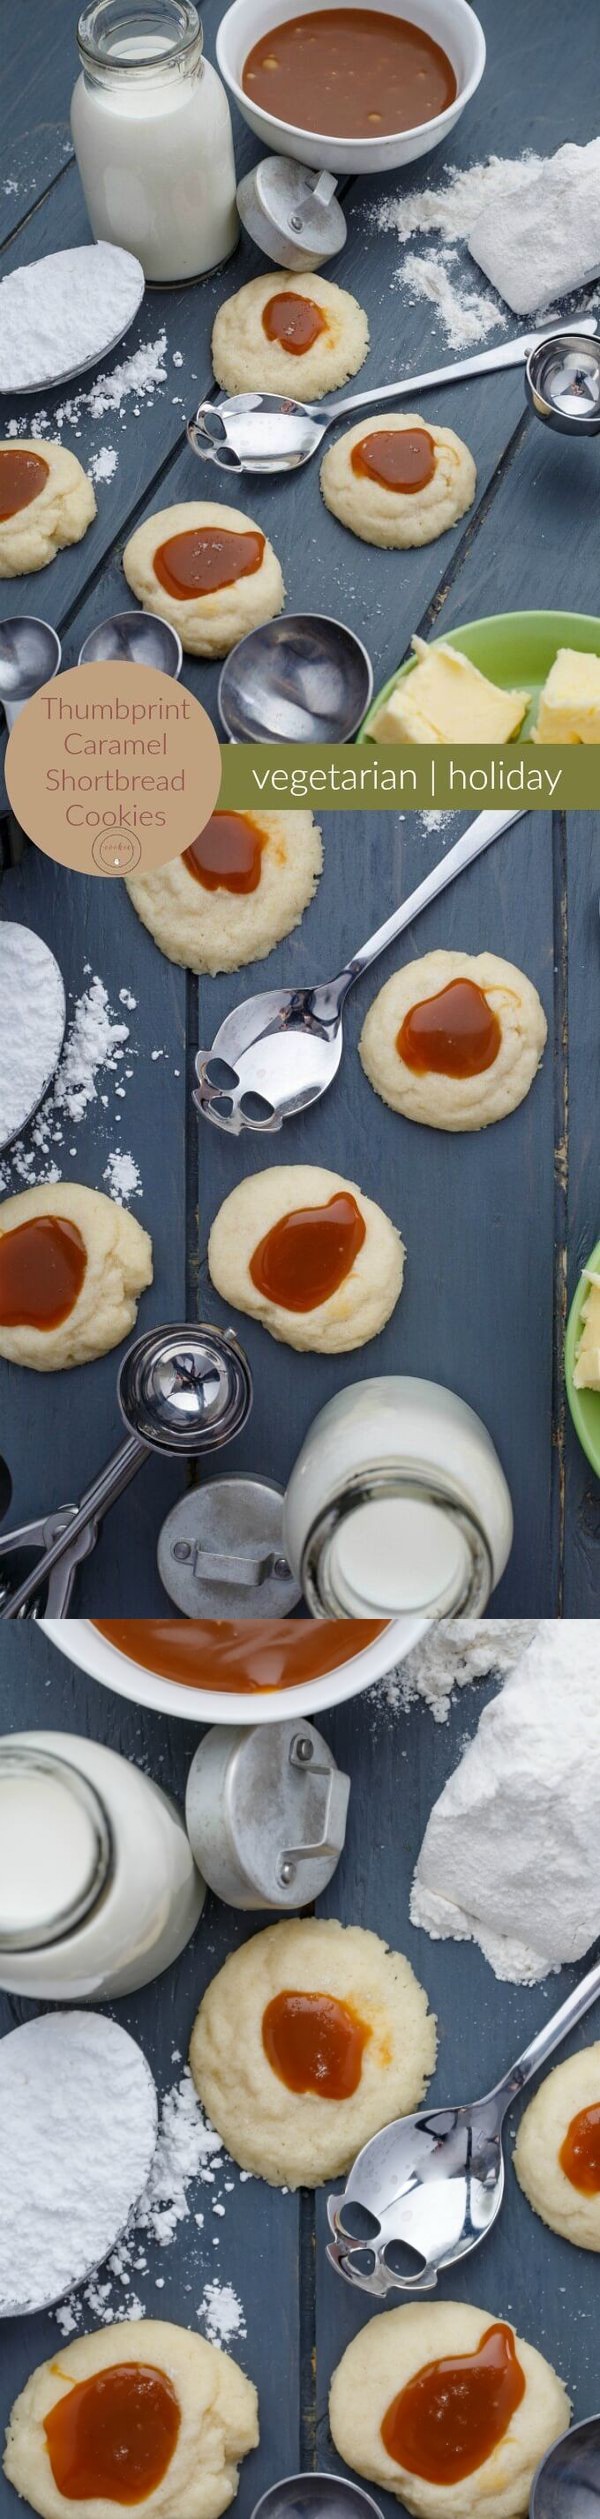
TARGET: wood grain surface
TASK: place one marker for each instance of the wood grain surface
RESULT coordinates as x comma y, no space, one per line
496,1227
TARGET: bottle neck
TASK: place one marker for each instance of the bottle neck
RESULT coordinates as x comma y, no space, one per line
56,1848
129,46
397,1546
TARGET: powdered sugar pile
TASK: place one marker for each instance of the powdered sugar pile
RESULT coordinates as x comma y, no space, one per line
98,1046
63,312
452,1654
189,2157
78,2126
32,1022
449,211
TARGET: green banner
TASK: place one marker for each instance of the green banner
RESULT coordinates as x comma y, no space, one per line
408,777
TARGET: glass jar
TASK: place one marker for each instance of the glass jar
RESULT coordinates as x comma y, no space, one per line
98,1887
152,136
397,1504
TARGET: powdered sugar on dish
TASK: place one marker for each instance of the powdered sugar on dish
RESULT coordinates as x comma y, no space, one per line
189,2159
98,1048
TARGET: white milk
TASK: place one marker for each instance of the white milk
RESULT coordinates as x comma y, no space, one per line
98,1887
152,135
397,1504
47,1850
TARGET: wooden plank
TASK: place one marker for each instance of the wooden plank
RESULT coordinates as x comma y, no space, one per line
582,1492
255,2245
473,1312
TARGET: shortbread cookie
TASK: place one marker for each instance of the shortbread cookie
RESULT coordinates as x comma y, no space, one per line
435,2455
557,2155
397,480
289,333
303,1251
46,501
232,896
72,1268
142,2413
208,569
455,1040
311,2037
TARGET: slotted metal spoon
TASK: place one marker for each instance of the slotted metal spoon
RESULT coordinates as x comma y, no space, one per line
426,2191
278,1052
257,432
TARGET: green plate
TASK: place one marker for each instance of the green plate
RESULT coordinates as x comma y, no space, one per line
515,649
584,1405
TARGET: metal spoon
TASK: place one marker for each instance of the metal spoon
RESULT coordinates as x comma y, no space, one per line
30,654
304,679
134,638
562,383
278,1052
272,433
426,2191
314,2496
566,2485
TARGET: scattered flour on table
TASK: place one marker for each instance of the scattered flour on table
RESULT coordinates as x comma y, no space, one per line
511,1853
189,2158
97,1047
451,1654
123,1180
448,212
117,394
102,467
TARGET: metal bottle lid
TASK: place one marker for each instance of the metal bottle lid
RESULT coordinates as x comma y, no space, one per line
266,1814
291,213
220,1551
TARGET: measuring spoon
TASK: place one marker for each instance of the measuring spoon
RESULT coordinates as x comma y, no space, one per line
273,433
30,654
134,638
566,2485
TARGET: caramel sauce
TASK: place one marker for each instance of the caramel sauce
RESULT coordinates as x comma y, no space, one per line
455,1033
579,2155
113,2436
293,321
307,1254
203,560
22,476
401,459
352,73
315,2043
452,2414
42,1268
243,1654
227,856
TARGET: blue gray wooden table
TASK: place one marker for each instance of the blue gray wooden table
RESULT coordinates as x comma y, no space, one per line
271,2247
496,1227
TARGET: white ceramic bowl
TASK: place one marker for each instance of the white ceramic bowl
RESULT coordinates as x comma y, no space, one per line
452,23
80,1641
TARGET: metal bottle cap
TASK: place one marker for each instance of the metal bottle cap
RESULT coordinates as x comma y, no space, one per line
186,1389
220,1551
291,213
266,1814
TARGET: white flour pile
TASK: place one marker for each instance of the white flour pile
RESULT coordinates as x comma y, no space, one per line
450,212
189,2161
77,2134
451,1654
511,1854
63,312
97,1049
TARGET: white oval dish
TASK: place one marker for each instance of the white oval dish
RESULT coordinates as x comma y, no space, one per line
451,23
81,1642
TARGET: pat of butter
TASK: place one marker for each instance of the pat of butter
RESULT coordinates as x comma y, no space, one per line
569,710
447,700
586,1375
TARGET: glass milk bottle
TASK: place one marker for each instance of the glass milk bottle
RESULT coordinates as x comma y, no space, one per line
152,136
98,1887
397,1504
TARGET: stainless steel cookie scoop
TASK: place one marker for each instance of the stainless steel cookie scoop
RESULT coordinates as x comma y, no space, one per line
426,2191
562,382
257,432
278,1052
185,1390
567,2483
303,679
30,654
134,638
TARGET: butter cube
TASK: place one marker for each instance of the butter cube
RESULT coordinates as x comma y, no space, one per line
447,700
569,710
586,1374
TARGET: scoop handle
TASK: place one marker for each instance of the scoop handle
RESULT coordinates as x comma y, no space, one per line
551,2036
484,363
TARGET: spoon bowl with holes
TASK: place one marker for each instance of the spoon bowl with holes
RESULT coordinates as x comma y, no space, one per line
584,1404
425,2192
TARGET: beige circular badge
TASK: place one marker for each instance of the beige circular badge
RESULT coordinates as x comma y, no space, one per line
112,769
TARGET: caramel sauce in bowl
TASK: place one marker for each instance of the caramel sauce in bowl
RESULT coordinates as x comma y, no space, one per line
300,130
346,1655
